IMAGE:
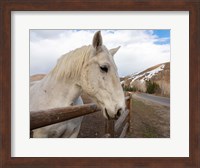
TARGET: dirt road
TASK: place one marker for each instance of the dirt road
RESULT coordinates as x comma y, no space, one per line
156,99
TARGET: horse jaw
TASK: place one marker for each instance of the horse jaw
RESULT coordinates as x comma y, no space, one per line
111,100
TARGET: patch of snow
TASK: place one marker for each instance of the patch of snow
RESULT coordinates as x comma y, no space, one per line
144,76
154,71
147,75
142,80
135,78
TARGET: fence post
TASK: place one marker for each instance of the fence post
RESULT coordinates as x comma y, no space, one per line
110,128
129,107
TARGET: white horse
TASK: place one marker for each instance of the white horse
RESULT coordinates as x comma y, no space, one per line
90,69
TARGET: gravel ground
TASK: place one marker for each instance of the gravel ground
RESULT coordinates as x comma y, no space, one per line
93,126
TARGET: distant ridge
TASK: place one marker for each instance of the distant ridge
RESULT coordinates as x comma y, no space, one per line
159,74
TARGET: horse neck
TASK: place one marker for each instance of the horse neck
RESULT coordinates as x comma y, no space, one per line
63,90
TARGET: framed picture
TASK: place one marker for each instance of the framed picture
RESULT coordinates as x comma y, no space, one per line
23,23
142,58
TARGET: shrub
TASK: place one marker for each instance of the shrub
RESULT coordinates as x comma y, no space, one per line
131,89
152,87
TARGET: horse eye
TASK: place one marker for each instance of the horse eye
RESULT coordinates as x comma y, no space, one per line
104,68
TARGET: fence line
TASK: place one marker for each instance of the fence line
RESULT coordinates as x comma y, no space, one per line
51,116
43,118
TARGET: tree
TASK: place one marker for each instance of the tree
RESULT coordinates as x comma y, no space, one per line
152,87
131,89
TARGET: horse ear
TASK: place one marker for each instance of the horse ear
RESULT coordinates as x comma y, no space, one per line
114,50
97,40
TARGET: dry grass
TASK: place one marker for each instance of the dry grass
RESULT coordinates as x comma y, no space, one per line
149,120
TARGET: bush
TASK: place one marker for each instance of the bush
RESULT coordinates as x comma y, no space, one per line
152,87
131,89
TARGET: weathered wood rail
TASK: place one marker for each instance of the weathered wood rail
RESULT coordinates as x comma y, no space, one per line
51,116
43,118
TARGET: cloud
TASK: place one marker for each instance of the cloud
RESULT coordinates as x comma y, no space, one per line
139,50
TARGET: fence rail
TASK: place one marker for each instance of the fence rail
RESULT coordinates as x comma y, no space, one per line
43,118
51,116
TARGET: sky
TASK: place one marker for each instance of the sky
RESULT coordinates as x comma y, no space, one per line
140,49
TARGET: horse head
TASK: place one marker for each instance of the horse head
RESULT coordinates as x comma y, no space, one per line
100,80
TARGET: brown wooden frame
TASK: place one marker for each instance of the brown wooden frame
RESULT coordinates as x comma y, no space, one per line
6,6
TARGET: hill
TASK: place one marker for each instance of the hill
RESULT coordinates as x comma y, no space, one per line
158,75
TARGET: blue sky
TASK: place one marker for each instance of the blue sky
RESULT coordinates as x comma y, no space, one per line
140,49
162,34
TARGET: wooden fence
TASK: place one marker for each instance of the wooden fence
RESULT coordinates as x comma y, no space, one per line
113,128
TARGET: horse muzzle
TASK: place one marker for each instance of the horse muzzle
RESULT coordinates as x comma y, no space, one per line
114,117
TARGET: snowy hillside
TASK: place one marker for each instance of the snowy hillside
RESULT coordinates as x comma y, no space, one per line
160,74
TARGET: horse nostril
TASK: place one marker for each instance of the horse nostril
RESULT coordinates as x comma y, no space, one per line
118,113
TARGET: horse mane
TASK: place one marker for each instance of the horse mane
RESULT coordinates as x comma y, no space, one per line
70,64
